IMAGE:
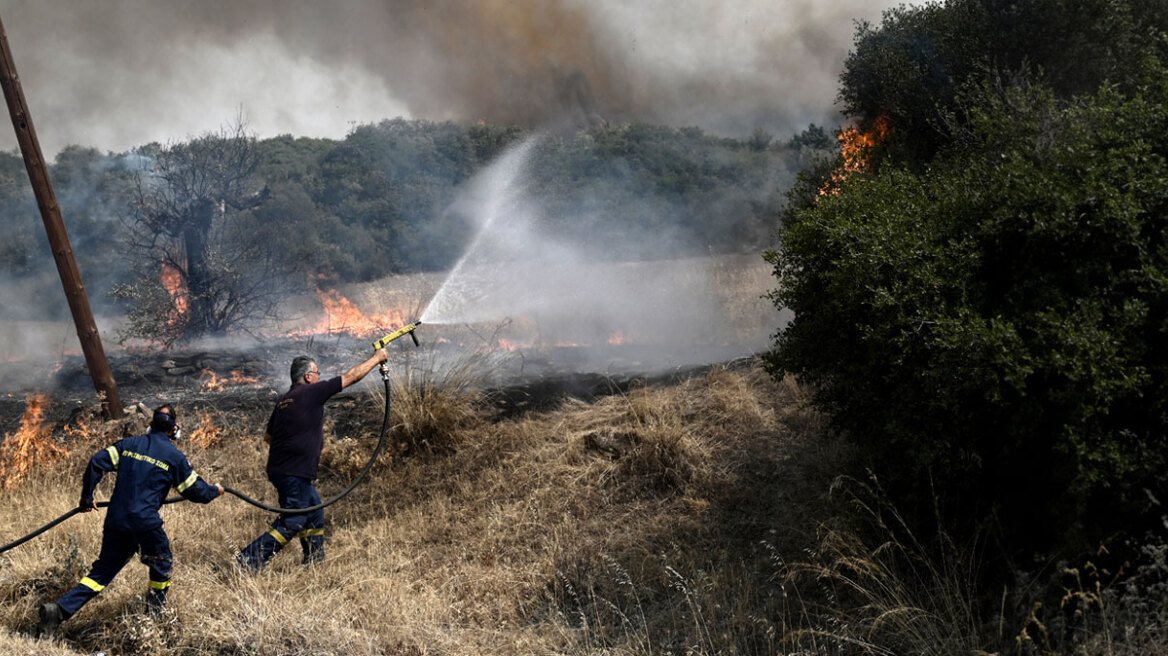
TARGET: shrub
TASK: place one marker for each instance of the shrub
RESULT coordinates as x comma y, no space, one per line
995,329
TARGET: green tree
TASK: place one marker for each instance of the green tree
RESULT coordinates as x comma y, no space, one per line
912,68
994,330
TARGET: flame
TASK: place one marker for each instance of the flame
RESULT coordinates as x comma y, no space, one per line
618,338
343,316
31,445
854,146
207,434
211,382
173,283
504,344
79,430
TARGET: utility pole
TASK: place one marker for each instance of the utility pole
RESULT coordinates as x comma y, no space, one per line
38,175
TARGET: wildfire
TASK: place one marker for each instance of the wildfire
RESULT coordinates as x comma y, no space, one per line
854,145
173,283
32,444
79,430
207,434
618,338
213,383
504,344
343,316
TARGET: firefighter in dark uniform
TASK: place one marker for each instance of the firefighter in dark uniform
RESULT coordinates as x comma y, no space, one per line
147,467
295,434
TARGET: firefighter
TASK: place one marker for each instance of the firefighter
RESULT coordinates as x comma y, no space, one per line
295,435
147,467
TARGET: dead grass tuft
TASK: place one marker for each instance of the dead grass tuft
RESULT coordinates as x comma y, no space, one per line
431,404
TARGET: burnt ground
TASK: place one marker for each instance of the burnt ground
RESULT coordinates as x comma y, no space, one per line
248,379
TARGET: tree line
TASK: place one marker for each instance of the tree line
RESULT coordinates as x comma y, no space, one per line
243,221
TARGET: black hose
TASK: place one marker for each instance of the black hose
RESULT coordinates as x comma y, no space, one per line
241,495
100,504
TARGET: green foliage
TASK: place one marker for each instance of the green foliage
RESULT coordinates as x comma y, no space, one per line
379,202
995,328
392,181
91,190
913,67
18,249
640,191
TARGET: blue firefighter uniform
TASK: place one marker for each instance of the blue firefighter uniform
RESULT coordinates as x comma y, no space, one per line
147,467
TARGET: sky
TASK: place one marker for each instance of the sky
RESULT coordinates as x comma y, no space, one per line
116,74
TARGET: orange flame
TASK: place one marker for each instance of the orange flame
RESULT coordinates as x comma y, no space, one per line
79,430
207,434
173,283
343,316
213,383
32,444
504,344
854,146
618,338
510,345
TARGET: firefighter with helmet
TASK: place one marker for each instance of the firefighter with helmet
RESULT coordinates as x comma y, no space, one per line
147,467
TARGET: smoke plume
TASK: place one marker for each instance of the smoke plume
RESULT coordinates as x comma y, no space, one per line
121,73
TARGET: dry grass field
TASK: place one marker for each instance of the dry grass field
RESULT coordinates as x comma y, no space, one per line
642,523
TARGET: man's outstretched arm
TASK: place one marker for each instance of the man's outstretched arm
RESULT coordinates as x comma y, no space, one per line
360,371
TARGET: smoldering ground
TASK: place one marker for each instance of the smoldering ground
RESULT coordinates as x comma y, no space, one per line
611,297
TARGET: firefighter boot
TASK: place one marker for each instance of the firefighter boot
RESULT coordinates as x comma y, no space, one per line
51,617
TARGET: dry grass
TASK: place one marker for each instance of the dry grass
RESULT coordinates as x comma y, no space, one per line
502,537
685,519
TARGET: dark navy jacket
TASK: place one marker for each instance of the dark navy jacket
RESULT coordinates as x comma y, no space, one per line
297,429
147,466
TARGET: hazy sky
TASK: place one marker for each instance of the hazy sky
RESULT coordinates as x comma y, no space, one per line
115,74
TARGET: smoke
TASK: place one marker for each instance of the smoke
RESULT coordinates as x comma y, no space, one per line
561,295
122,73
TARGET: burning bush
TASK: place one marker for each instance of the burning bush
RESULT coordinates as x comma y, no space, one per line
206,434
202,264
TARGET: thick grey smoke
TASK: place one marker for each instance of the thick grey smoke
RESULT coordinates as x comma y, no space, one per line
120,73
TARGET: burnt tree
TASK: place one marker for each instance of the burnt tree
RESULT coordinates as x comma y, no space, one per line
201,266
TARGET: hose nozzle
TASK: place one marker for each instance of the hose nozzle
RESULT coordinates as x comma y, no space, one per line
407,329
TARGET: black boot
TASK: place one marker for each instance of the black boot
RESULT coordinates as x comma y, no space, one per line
51,617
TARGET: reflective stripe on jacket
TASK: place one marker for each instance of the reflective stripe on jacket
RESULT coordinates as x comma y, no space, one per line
147,467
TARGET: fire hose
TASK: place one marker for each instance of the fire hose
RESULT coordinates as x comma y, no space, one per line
379,344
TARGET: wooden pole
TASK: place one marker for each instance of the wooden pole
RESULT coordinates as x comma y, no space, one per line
38,175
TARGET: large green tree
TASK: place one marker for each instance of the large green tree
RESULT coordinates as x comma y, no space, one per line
993,330
911,68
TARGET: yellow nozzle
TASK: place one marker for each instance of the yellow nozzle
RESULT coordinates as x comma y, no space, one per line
408,329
